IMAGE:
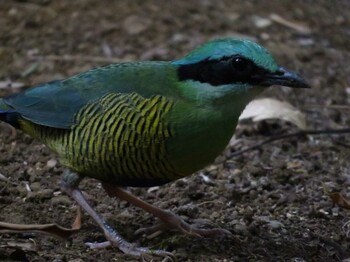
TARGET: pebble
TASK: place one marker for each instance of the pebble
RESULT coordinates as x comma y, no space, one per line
35,186
134,25
274,224
42,194
241,228
61,200
189,210
261,22
51,163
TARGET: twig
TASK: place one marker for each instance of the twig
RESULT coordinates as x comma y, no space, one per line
298,133
5,179
51,229
347,232
297,27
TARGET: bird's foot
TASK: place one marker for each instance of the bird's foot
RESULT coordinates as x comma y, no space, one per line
169,221
130,249
173,222
70,186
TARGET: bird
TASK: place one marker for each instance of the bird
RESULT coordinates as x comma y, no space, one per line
146,123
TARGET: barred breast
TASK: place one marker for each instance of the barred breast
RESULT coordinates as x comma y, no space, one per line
119,138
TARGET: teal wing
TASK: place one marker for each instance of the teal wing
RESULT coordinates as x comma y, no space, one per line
56,103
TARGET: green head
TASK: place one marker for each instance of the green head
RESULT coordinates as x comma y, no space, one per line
234,65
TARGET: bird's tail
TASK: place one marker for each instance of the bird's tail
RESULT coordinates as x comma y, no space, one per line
5,110
2,110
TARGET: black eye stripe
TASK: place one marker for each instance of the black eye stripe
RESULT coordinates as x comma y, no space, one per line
235,69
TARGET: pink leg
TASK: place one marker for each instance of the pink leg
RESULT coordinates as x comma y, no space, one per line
70,185
169,220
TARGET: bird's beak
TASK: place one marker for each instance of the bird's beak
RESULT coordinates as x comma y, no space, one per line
284,77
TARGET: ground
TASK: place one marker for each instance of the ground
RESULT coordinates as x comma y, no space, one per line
274,200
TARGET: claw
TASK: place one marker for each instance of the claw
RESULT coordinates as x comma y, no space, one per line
182,227
98,245
130,249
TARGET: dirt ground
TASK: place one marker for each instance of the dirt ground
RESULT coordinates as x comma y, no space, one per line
274,200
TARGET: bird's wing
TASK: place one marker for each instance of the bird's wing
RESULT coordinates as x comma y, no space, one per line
56,103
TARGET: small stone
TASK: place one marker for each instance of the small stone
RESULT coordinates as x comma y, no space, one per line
57,260
274,224
214,215
206,179
178,38
265,36
51,163
134,25
335,211
241,229
125,215
36,186
298,259
232,17
261,22
61,200
40,195
13,12
188,210
306,42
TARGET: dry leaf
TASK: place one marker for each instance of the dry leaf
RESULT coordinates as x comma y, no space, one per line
339,199
77,221
268,108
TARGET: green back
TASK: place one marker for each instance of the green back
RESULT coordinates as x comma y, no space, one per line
55,104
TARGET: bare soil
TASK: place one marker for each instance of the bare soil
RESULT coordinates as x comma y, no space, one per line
274,200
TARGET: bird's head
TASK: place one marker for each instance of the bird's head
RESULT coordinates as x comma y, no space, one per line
235,65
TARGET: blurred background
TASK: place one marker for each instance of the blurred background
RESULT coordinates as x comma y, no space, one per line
274,200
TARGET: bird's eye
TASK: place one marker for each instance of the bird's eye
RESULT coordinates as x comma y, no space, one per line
239,64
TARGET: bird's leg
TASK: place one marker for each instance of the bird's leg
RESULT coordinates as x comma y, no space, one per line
169,220
69,184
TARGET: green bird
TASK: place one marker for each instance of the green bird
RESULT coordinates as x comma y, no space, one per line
143,124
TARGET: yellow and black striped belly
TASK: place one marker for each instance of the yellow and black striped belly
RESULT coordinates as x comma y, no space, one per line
120,138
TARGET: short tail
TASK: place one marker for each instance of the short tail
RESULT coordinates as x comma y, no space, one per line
6,113
3,109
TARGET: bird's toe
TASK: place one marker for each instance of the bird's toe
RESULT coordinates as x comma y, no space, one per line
130,249
98,245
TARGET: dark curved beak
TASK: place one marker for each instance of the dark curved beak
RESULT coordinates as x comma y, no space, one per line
284,77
